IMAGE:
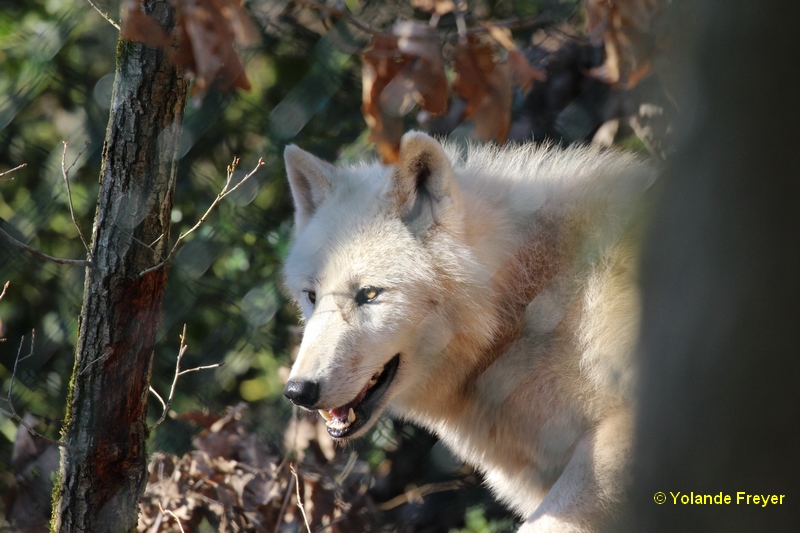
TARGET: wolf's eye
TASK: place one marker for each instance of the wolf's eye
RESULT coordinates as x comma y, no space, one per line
312,296
367,294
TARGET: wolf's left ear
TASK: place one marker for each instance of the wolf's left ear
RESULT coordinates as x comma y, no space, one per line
310,179
423,183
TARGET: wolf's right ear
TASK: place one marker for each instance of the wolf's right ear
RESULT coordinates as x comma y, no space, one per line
310,179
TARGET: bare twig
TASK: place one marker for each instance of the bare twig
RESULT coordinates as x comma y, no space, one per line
160,399
462,30
416,494
34,251
23,165
226,190
103,357
5,288
299,499
173,515
16,362
65,174
178,372
461,22
12,413
335,12
104,15
286,497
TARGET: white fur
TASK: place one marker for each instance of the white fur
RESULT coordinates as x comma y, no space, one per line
465,246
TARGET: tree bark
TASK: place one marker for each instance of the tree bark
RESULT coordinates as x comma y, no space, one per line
100,484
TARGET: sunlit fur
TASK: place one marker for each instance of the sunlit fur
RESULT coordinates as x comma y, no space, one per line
509,291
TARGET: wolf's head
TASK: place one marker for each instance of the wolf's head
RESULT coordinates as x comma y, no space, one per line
376,249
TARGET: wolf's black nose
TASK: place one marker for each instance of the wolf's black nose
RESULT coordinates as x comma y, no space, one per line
302,393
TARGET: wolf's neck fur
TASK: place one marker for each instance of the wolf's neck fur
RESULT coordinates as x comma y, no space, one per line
516,261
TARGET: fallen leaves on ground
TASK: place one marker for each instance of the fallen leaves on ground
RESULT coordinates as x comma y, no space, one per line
237,483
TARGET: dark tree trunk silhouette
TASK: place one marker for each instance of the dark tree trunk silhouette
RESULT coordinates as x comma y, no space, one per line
100,484
720,342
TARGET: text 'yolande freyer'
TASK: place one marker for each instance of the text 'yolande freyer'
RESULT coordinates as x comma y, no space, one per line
741,498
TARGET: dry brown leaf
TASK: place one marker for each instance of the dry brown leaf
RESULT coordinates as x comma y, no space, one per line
211,35
627,30
138,26
523,74
400,71
423,77
486,86
381,63
205,32
473,63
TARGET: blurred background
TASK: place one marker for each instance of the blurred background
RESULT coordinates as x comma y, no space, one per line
57,60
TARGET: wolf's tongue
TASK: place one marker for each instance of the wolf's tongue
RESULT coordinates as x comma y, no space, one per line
343,411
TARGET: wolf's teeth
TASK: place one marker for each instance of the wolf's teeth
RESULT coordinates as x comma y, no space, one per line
374,379
351,416
335,423
324,414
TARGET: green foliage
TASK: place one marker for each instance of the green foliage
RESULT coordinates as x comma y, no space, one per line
58,64
476,522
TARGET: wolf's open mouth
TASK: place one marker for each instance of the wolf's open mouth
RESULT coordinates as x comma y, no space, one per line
346,420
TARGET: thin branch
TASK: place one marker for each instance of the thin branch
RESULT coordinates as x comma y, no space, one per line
19,244
65,174
178,372
299,499
181,352
286,496
416,494
34,251
104,15
35,434
226,190
16,362
173,515
160,399
462,30
23,165
10,401
99,359
5,288
338,13
461,21
205,367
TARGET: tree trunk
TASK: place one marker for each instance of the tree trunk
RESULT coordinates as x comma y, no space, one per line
100,484
719,409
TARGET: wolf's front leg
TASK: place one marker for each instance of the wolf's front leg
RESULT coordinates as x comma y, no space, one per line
590,489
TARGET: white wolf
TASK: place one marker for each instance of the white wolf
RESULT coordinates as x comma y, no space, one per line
489,298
